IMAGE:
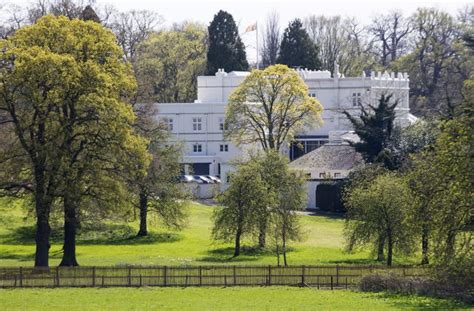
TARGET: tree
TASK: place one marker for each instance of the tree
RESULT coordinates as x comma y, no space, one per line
297,49
62,92
242,203
379,208
132,28
158,191
375,129
169,63
271,40
226,49
88,14
269,107
438,63
284,220
390,33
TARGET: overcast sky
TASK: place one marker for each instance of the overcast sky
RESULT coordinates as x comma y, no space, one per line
246,12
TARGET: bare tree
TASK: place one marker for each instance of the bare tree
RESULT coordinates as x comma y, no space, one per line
390,36
271,39
340,40
132,28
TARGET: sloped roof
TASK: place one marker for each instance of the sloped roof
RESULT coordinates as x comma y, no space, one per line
329,157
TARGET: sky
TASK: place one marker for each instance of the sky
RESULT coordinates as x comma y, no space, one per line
247,12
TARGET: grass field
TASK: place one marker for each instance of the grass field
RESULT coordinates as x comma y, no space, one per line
115,244
237,298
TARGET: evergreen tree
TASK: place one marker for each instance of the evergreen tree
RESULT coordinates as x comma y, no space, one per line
226,49
297,49
375,130
88,14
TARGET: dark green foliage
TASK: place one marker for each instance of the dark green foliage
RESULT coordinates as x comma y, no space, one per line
88,14
375,129
226,49
297,49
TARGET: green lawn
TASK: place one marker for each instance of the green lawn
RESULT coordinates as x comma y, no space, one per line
115,244
237,298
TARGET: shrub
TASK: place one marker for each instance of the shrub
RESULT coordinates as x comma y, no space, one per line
425,286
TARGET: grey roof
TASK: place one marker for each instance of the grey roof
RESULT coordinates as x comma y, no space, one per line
330,157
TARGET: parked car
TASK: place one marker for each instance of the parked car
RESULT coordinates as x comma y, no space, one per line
204,179
214,178
190,178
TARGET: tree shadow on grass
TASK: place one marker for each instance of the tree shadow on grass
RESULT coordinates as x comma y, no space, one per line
226,254
151,238
112,234
356,261
18,257
414,302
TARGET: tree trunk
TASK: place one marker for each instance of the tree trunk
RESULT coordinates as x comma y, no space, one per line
389,249
70,229
237,242
43,230
262,238
283,240
380,249
143,231
425,245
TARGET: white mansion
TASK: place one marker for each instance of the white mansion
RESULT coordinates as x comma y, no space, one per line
200,125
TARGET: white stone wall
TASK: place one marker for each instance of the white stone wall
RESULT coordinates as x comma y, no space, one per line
335,94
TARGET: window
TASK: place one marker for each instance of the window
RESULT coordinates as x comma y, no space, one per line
356,99
168,123
197,148
222,125
337,175
228,178
322,175
224,148
197,124
312,94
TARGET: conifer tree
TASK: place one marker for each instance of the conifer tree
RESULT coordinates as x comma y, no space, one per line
226,49
375,130
297,49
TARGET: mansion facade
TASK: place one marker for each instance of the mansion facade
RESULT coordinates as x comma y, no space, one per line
200,125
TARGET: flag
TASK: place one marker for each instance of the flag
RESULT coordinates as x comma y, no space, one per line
251,27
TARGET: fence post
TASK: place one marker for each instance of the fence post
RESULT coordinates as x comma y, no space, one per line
337,275
235,277
102,280
129,276
93,276
332,284
57,276
269,275
165,275
346,282
302,275
21,276
200,276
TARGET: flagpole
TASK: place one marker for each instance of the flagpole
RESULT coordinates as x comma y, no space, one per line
256,30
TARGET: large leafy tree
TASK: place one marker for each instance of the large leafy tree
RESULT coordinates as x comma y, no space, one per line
169,63
438,63
159,191
269,107
226,49
379,208
62,85
374,128
297,49
242,204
